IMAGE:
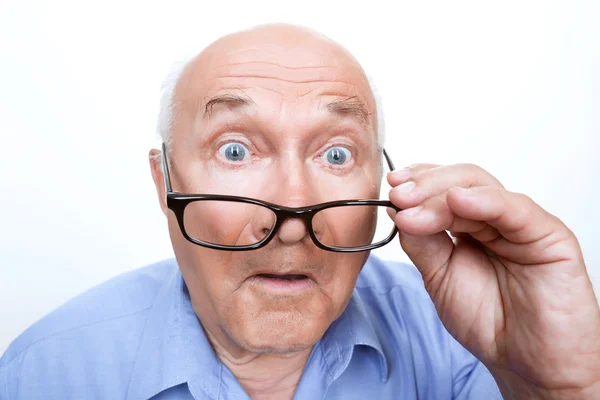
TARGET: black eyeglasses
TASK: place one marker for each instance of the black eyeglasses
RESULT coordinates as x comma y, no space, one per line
234,223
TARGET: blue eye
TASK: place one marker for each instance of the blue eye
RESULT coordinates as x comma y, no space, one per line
234,151
337,155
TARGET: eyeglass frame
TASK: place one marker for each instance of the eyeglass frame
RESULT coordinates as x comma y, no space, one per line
177,202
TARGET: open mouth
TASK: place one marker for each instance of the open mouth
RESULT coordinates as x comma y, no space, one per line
287,277
283,283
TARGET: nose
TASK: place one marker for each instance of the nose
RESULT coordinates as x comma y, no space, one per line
293,230
294,190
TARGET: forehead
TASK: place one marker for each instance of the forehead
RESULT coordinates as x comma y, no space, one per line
307,74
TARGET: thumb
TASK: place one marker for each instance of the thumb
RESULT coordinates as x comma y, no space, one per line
429,254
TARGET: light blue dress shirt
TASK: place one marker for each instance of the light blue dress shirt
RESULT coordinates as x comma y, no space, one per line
136,337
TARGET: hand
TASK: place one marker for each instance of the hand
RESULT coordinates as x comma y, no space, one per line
509,282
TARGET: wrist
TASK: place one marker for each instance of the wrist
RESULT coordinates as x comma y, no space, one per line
513,387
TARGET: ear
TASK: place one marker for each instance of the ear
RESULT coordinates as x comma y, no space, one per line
155,159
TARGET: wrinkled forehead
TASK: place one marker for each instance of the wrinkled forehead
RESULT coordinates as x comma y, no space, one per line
307,76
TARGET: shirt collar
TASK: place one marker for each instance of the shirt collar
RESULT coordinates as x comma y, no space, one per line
174,349
353,328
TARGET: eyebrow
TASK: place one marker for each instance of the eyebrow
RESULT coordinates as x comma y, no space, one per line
346,106
350,106
231,100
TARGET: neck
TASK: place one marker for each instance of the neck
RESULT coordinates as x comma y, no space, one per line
263,375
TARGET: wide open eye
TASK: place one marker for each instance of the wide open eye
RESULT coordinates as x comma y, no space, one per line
337,155
234,151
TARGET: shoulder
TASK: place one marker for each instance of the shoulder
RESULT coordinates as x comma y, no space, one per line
118,299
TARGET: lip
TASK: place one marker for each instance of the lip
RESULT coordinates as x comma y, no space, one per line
282,286
290,272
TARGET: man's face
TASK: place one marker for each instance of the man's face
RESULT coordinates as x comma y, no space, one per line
267,116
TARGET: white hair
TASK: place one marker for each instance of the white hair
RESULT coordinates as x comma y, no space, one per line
379,110
166,113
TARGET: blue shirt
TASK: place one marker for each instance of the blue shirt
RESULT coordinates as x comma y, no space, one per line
136,336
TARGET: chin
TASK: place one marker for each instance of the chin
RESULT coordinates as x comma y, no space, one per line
278,332
282,349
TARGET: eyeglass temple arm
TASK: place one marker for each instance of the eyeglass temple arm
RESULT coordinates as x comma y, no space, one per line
165,165
389,160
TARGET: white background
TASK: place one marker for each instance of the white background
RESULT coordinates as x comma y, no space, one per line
513,87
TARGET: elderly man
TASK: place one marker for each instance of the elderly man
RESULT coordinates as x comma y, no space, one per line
271,144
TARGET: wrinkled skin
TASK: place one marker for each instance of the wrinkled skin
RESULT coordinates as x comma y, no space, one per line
511,286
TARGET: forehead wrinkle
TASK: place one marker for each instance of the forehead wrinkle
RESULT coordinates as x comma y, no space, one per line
346,80
298,94
253,68
280,86
216,88
233,64
261,76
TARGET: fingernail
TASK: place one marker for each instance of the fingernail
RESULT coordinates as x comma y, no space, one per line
406,187
400,174
412,211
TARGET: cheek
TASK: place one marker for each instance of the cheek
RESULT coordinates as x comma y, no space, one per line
344,269
208,272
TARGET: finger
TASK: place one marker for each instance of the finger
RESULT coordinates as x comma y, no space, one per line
391,212
529,234
418,167
399,176
433,216
516,216
431,182
485,234
429,254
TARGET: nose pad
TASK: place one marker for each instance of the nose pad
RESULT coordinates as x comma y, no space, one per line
292,230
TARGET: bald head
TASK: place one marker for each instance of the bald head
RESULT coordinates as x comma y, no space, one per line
275,54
